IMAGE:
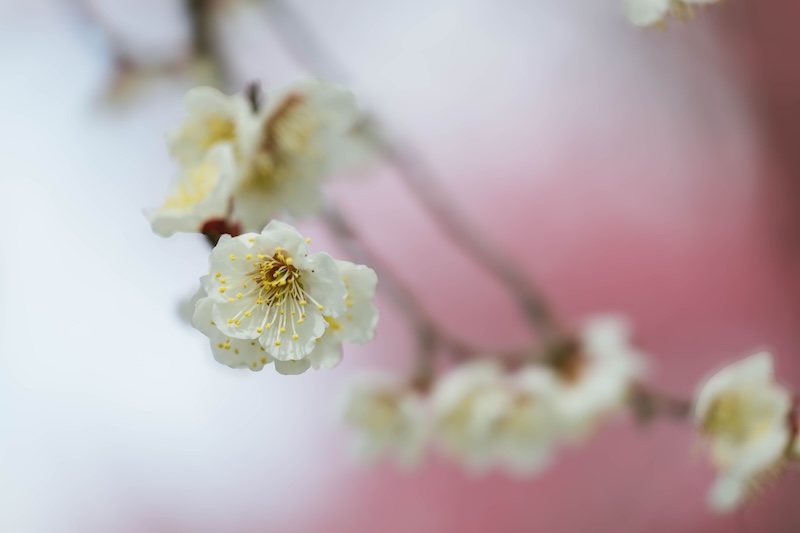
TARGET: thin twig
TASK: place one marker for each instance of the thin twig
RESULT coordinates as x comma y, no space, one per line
648,404
301,40
429,337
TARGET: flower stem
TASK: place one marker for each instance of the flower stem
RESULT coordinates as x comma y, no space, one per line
301,41
648,404
429,337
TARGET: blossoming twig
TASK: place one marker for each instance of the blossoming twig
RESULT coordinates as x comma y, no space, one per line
300,39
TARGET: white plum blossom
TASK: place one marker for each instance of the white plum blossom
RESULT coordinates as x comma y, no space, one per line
357,323
485,419
302,134
199,193
387,419
267,287
596,380
654,12
744,416
521,418
213,118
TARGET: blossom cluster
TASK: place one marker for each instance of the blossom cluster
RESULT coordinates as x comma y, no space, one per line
484,417
267,299
246,163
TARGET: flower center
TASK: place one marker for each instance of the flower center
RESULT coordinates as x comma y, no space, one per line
287,135
380,414
738,416
199,183
218,129
281,290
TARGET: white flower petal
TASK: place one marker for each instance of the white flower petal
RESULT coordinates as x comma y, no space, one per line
646,12
324,283
292,367
283,347
327,353
727,493
235,353
361,316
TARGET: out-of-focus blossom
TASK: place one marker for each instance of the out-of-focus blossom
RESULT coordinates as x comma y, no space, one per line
460,430
388,419
199,193
744,416
268,287
521,418
654,12
213,118
484,419
357,323
595,380
303,134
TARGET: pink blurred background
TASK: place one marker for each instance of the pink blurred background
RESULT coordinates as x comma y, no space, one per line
650,173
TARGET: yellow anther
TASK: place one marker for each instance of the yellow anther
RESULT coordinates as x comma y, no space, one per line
278,249
269,325
220,345
277,343
230,321
261,256
233,257
244,285
213,323
295,336
218,274
308,240
223,281
239,296
320,308
237,322
283,330
236,351
230,300
221,290
248,257
251,239
293,313
349,303
259,330
303,302
263,360
289,260
248,314
252,343
283,312
261,348
301,321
